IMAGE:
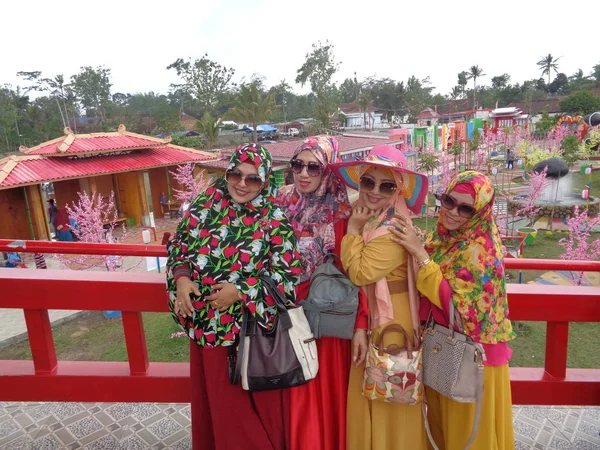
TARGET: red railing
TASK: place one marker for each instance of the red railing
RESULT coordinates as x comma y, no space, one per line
44,378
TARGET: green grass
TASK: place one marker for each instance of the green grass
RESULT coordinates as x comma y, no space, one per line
92,337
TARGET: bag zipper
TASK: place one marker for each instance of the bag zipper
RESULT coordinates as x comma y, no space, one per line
334,313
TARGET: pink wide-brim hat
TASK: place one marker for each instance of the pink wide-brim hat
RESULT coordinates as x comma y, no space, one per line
386,156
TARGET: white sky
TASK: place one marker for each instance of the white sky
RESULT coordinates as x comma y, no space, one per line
137,39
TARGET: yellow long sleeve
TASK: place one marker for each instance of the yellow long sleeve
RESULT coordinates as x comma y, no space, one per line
429,279
367,264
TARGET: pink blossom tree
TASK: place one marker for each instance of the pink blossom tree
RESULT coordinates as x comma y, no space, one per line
192,185
578,246
537,183
95,222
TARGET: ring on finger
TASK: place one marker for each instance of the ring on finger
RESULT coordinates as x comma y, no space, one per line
404,229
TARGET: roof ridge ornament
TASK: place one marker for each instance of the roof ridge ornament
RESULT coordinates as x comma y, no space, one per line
64,145
67,131
122,129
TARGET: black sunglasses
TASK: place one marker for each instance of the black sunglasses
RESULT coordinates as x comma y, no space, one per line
234,176
465,211
387,188
313,168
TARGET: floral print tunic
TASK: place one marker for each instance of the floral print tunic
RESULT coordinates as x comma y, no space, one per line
221,241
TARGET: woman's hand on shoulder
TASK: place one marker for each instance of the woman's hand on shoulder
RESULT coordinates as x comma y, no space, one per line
183,305
405,235
359,347
226,295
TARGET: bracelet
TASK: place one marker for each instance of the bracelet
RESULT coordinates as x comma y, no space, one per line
424,263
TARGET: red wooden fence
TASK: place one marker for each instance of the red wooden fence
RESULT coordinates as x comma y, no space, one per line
44,378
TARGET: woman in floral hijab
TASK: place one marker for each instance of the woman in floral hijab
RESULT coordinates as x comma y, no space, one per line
318,208
230,235
462,263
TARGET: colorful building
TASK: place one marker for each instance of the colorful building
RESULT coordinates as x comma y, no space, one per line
135,167
508,117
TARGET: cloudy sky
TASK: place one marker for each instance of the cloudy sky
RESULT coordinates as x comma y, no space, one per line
137,39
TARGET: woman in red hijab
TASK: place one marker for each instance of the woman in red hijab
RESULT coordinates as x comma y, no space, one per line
62,226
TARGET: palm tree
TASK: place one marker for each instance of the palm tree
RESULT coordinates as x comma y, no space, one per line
548,64
364,101
474,73
210,127
251,106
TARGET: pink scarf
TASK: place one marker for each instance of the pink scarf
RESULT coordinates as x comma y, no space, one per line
378,294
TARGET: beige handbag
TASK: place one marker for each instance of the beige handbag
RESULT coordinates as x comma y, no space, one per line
453,366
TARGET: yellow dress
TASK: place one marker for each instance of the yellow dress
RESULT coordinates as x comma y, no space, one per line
451,421
376,425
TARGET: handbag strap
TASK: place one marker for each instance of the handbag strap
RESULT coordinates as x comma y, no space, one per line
234,378
391,328
413,301
476,420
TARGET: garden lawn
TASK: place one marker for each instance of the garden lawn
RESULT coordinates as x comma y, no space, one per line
92,337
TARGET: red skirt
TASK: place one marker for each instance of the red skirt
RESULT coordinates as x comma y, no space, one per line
318,409
224,416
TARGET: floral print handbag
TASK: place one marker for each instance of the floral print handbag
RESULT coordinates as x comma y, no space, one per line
393,373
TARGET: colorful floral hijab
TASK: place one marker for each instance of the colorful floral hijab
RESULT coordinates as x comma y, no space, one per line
222,241
313,215
471,260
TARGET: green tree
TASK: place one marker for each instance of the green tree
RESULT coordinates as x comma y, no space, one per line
318,69
58,89
580,103
474,73
92,89
596,74
501,81
417,95
252,107
545,124
203,79
570,148
548,64
210,127
560,85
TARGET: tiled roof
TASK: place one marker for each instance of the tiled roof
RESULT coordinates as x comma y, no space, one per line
33,169
285,150
550,105
71,143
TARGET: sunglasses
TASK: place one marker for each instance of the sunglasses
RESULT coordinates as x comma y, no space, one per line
387,188
465,211
313,168
234,176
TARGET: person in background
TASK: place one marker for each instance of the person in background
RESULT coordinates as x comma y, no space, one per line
510,159
40,261
63,226
462,262
12,260
52,211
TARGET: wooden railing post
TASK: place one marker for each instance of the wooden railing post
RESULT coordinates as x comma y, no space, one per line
41,341
557,344
135,339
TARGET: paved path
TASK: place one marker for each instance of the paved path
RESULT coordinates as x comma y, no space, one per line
130,426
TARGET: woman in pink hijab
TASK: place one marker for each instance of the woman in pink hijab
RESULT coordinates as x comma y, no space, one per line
386,187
